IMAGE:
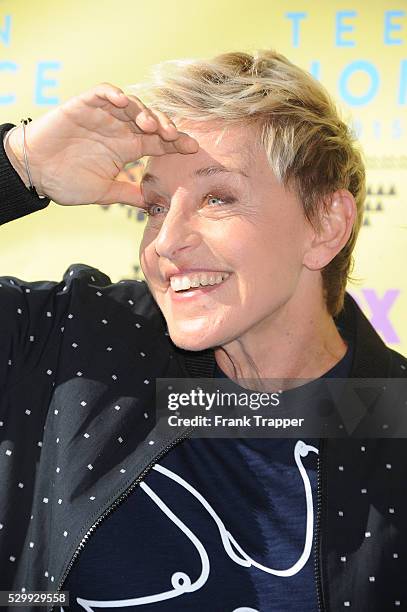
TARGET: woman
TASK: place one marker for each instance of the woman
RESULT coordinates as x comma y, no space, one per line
254,193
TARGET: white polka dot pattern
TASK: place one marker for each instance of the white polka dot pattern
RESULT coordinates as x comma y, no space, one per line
92,360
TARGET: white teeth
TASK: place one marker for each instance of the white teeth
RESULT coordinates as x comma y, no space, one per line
180,283
185,284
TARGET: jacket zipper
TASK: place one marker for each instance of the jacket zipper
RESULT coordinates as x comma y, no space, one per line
116,503
317,535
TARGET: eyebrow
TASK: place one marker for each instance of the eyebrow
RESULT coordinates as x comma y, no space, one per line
208,171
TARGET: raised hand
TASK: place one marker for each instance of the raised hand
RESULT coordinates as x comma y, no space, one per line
77,150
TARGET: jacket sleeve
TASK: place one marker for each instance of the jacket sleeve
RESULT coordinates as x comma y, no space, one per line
29,311
15,199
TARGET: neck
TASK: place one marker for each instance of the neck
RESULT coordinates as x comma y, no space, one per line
292,345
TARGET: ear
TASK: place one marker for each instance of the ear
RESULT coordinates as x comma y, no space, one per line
335,227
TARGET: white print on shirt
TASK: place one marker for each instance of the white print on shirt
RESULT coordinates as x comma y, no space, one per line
235,610
180,581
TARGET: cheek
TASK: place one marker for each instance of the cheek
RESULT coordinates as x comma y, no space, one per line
266,257
147,256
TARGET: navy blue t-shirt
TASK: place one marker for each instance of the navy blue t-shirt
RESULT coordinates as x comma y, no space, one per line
218,524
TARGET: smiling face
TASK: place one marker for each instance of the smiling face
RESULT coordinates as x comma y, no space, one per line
220,216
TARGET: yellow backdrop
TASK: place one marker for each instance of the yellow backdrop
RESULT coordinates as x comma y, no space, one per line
51,50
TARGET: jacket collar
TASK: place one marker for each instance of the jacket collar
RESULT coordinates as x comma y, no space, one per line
371,357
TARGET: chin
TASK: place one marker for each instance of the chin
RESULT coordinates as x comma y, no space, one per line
192,341
191,344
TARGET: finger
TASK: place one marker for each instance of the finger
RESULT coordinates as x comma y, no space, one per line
168,132
131,108
149,120
153,144
105,92
183,142
123,107
146,122
166,128
123,192
186,144
139,117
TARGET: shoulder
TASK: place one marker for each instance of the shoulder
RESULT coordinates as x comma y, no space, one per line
43,322
84,293
93,293
91,281
398,364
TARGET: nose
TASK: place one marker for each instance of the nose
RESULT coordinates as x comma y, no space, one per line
177,233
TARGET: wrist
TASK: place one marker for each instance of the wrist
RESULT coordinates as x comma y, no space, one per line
14,149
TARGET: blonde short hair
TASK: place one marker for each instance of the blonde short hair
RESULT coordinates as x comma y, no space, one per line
309,147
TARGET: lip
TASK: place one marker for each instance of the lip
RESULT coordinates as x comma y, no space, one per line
194,294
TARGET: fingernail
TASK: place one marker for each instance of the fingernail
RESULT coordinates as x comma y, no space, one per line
149,118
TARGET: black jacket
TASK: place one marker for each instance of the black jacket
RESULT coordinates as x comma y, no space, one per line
81,356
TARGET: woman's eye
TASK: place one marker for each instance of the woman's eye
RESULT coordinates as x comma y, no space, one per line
218,201
154,209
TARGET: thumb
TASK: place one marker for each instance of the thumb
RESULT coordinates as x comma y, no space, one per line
124,192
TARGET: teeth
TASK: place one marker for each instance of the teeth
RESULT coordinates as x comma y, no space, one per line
180,283
185,284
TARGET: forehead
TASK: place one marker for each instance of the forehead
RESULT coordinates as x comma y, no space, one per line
228,150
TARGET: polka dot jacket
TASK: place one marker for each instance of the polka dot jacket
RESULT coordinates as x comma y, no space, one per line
78,362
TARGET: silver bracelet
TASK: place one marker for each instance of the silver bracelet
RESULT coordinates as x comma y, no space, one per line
27,167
